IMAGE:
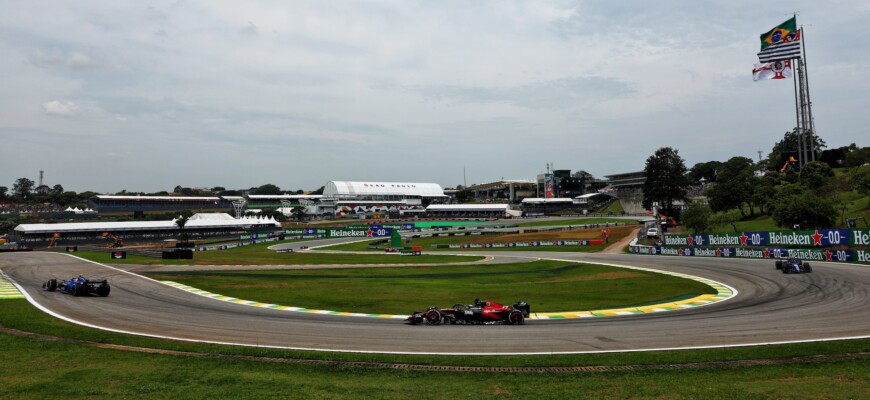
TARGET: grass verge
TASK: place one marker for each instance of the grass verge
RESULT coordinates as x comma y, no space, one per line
549,286
104,373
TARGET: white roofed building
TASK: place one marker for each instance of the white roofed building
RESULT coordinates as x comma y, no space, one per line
344,197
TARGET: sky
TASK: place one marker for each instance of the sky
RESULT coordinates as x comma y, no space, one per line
144,96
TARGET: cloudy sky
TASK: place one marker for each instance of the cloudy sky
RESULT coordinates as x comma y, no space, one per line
147,95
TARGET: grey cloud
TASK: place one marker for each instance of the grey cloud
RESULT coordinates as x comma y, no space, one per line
565,93
65,59
250,30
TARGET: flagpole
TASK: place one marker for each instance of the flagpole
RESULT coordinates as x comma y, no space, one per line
797,114
804,107
812,123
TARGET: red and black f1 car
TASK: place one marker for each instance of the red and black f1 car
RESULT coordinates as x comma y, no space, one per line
481,312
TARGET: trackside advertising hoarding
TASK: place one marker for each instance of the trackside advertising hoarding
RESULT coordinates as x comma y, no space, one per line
368,231
860,237
814,238
860,256
595,242
397,226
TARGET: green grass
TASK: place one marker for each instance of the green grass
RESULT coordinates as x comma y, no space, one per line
614,207
102,373
755,224
548,286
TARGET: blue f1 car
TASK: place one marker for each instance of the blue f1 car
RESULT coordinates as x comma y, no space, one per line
793,266
79,286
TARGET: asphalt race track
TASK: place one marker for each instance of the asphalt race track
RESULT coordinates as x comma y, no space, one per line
833,302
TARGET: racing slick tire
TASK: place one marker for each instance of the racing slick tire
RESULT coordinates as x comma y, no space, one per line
51,285
103,290
808,268
78,289
433,317
516,318
778,264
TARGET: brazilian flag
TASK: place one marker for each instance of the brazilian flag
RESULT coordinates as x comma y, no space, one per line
784,32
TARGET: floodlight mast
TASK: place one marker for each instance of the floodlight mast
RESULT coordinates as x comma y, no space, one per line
238,205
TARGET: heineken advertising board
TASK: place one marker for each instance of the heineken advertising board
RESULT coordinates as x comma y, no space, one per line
519,244
396,226
376,232
862,256
818,238
361,231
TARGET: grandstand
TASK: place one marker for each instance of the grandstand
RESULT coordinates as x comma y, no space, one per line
118,204
628,187
468,211
197,227
275,200
510,190
344,198
544,206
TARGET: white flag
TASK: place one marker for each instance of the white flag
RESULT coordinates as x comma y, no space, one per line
772,70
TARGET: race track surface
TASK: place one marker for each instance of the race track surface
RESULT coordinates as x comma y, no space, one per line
831,303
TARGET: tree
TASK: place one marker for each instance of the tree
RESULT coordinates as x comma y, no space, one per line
857,157
84,196
298,213
66,198
4,192
788,146
463,196
22,188
666,180
735,186
181,222
706,171
797,205
861,181
267,189
697,217
229,193
818,177
765,192
730,217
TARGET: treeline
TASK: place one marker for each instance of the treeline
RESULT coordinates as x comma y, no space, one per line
25,192
740,188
